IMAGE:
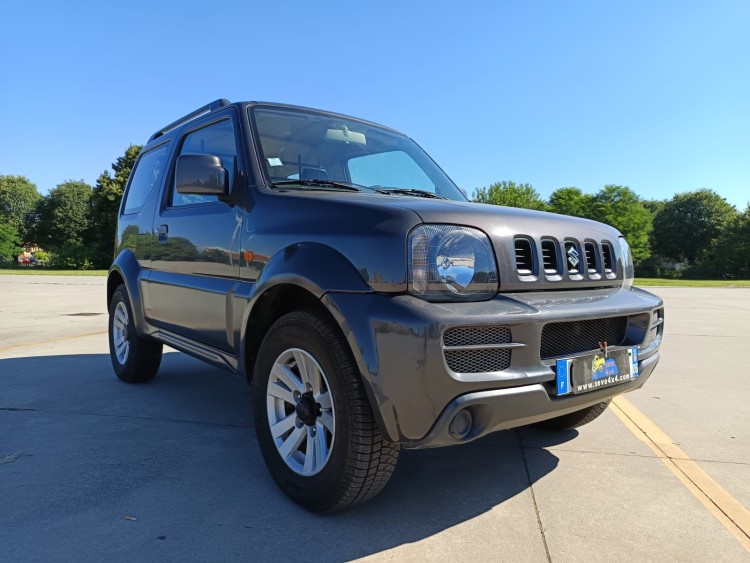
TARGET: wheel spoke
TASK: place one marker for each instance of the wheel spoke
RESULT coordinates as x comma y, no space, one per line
324,400
280,392
121,315
311,454
283,426
326,420
287,377
305,367
320,438
292,442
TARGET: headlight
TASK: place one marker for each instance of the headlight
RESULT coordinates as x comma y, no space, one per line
628,272
451,263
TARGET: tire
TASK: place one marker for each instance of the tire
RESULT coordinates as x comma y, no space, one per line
575,419
326,452
134,359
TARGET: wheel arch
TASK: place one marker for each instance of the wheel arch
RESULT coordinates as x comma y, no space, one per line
294,280
269,306
126,270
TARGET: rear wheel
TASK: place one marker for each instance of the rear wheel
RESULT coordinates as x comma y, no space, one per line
315,427
134,359
575,419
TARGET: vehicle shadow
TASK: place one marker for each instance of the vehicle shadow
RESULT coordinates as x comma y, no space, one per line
180,451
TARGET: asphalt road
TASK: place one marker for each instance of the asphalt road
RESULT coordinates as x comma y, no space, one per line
92,469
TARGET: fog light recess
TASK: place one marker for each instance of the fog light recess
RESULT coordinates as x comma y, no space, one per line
460,426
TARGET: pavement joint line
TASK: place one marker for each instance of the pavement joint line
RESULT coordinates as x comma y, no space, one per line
723,337
126,417
722,506
593,452
533,497
50,341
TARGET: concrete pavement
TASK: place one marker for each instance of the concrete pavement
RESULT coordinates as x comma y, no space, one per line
93,469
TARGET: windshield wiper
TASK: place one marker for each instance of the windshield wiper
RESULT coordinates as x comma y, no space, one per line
319,183
409,191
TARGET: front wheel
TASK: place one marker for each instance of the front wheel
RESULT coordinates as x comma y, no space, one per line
575,419
314,423
134,359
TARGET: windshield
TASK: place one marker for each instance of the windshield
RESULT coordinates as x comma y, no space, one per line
324,150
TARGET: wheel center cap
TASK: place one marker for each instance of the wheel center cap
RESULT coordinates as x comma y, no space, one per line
307,409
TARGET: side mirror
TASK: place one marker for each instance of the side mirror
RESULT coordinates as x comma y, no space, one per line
201,174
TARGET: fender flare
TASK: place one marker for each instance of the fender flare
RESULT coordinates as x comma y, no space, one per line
314,267
127,268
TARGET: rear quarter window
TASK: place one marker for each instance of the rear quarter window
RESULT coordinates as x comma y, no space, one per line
147,174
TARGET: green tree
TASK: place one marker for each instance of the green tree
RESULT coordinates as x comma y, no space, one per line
105,204
510,194
10,245
64,222
620,207
688,224
570,201
728,256
654,205
18,202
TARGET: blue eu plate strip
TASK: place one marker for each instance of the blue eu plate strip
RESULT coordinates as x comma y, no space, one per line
563,377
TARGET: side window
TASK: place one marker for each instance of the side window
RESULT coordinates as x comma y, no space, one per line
217,140
147,174
394,169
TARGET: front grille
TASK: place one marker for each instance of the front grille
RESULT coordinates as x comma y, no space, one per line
569,259
607,255
524,256
475,356
549,256
478,360
476,335
590,250
564,339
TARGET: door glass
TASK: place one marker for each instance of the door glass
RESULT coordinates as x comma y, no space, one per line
217,140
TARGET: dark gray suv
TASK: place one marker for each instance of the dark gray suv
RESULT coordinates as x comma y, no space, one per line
334,265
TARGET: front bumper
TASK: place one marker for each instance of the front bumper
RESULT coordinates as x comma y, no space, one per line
398,343
508,408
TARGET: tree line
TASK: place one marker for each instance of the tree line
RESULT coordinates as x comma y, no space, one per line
74,223
695,234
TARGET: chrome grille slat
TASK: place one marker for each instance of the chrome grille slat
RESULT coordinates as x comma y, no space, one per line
607,255
524,256
590,251
549,256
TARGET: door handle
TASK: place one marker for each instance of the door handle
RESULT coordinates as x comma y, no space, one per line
163,233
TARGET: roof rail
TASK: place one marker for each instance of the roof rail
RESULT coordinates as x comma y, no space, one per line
208,108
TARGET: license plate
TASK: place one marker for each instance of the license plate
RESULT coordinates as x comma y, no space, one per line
589,373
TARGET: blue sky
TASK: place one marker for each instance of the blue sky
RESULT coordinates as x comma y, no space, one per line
652,95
